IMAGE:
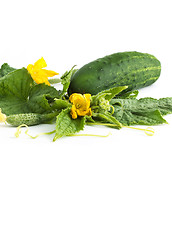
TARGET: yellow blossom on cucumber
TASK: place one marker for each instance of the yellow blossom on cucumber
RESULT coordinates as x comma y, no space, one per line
39,74
3,117
81,105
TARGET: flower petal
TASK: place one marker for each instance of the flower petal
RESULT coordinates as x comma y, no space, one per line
73,112
49,73
39,78
2,116
76,97
30,68
87,96
87,99
84,112
41,63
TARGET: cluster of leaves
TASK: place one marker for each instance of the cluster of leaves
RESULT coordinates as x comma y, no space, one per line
20,94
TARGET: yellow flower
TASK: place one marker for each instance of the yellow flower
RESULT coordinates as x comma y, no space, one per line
38,74
2,117
81,105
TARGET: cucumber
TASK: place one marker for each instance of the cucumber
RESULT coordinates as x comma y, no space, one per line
29,118
132,69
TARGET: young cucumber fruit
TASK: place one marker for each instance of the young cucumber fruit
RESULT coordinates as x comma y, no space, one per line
132,69
29,118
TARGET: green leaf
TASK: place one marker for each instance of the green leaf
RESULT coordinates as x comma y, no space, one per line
60,104
14,91
41,98
19,94
106,118
5,69
107,94
66,125
132,94
65,80
112,92
163,104
145,111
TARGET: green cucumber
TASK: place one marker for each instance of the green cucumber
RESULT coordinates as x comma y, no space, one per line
30,118
132,69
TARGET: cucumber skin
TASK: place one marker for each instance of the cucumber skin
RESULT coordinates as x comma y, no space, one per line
132,69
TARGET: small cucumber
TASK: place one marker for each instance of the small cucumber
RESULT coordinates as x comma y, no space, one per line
132,69
29,118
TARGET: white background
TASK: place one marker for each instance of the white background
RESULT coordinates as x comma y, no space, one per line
86,188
